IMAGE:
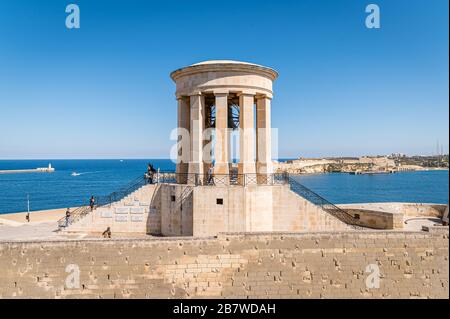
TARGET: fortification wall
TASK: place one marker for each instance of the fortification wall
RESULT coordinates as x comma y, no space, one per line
312,265
403,209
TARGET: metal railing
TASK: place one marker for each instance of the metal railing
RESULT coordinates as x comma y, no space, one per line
222,179
213,180
327,206
175,178
100,201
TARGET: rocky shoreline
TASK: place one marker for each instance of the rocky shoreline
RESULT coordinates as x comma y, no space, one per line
347,165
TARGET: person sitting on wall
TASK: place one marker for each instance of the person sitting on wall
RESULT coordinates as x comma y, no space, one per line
107,233
92,203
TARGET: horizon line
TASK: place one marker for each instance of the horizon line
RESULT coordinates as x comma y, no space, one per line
165,158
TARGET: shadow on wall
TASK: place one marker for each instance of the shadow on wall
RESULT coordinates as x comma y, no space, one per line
170,211
154,217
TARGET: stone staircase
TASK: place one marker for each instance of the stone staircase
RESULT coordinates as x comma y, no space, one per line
128,214
328,207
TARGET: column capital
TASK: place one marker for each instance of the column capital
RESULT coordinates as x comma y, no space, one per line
220,92
180,97
246,93
263,96
195,93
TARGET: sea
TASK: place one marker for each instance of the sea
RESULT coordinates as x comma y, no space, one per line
62,189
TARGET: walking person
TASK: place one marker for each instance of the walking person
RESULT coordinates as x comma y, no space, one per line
68,213
92,203
210,175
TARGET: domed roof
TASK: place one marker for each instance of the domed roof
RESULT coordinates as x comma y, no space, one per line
224,62
230,65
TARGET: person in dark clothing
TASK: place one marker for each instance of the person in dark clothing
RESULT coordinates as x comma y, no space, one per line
92,203
210,175
107,233
68,213
150,173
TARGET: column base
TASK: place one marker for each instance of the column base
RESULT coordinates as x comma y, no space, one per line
264,168
182,173
221,169
264,172
246,168
221,174
195,171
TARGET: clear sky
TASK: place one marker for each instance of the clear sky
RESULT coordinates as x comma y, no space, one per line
104,91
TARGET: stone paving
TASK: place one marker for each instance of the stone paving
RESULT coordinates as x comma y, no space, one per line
48,230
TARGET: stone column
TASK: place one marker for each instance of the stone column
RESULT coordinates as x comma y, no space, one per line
197,102
246,134
184,147
221,145
264,138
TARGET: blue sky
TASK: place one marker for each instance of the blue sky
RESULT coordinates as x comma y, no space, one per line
103,91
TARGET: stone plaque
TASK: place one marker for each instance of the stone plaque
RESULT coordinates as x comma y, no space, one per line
137,210
137,218
107,214
121,218
122,210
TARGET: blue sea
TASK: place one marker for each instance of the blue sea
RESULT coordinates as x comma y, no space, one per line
60,189
101,177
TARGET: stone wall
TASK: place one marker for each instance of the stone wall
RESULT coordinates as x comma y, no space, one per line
376,219
255,209
278,265
391,215
404,209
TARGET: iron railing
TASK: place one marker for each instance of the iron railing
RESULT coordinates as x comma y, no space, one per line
82,211
176,178
221,179
213,180
327,206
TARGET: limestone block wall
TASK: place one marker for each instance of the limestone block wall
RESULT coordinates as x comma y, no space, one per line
294,213
376,219
404,209
176,210
422,209
391,215
154,216
258,265
255,209
210,218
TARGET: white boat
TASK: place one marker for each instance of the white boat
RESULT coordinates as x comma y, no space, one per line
75,174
